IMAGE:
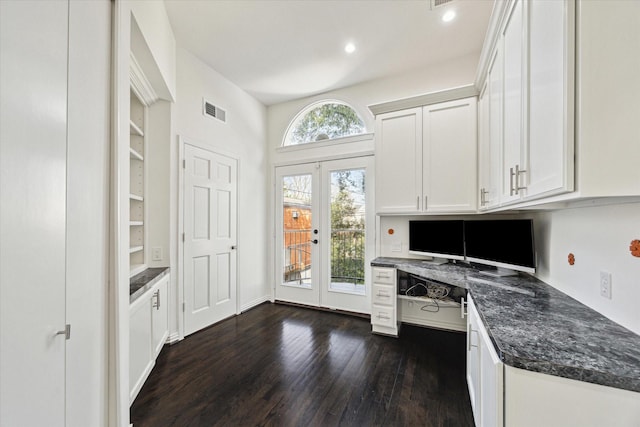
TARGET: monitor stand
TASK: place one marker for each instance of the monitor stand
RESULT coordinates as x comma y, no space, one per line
498,272
437,261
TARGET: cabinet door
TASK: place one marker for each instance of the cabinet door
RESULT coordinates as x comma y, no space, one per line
484,148
473,359
399,161
160,316
140,347
449,156
550,169
491,382
496,131
513,42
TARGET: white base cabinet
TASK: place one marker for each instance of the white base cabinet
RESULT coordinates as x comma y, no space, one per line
502,395
149,329
384,313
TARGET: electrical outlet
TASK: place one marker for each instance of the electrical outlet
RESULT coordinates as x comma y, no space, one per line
156,254
605,284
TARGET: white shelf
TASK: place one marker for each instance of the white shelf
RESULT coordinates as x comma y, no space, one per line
134,129
136,268
135,249
134,197
135,223
135,155
430,300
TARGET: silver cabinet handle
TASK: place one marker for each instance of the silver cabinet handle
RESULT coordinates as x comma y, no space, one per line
417,203
156,296
380,316
483,198
463,303
66,332
517,175
383,295
511,187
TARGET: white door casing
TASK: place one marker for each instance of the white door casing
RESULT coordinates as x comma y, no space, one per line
210,237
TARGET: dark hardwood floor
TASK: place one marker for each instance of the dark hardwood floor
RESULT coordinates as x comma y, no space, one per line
278,365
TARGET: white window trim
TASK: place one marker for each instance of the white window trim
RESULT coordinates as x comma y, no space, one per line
326,142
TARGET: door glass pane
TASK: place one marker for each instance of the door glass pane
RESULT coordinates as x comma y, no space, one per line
296,216
347,231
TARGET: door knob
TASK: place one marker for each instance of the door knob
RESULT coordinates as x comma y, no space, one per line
315,241
234,247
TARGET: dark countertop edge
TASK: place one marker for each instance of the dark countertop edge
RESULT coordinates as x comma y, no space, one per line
543,367
152,280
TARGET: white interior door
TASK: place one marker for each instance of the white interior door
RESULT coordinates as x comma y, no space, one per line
33,150
210,230
323,247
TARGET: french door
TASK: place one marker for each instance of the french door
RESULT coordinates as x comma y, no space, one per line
324,235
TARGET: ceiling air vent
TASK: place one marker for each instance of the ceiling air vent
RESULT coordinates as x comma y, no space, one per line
212,111
437,3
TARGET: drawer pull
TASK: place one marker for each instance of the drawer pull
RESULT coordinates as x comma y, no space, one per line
382,295
380,316
382,276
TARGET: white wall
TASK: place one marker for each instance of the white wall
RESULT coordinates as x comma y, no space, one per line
599,237
243,135
448,75
155,49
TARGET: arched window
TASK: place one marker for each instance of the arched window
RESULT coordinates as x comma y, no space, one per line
324,120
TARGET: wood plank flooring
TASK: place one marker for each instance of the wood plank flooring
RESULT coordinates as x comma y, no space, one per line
278,365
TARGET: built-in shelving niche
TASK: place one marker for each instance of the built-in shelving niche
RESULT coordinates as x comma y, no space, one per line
136,185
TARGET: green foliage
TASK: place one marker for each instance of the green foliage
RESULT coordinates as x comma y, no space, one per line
347,231
326,121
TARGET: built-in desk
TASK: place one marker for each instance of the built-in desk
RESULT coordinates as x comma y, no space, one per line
535,327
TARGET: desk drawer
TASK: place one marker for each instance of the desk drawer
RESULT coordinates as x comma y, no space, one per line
383,316
384,275
383,294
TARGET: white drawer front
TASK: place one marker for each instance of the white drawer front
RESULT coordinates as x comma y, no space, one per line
383,294
384,316
384,275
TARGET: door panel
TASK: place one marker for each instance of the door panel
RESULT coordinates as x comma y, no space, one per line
210,209
297,218
33,158
347,193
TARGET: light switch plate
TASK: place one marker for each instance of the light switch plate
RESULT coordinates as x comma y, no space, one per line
156,254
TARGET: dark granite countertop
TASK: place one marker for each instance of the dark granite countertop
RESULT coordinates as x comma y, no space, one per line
536,327
144,281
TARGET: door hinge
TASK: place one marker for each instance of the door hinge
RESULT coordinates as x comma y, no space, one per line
183,237
183,307
184,163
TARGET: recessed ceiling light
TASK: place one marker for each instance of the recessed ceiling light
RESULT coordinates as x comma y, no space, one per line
448,16
350,48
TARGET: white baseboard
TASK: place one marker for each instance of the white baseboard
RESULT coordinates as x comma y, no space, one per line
254,303
173,338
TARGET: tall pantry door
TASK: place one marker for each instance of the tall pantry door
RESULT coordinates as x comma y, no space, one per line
33,144
210,237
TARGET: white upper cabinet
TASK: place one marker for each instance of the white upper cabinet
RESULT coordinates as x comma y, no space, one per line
399,161
529,122
449,156
514,153
550,97
426,159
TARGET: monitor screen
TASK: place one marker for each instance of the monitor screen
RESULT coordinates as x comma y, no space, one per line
437,238
504,243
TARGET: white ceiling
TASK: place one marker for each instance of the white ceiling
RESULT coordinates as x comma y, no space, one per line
278,50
